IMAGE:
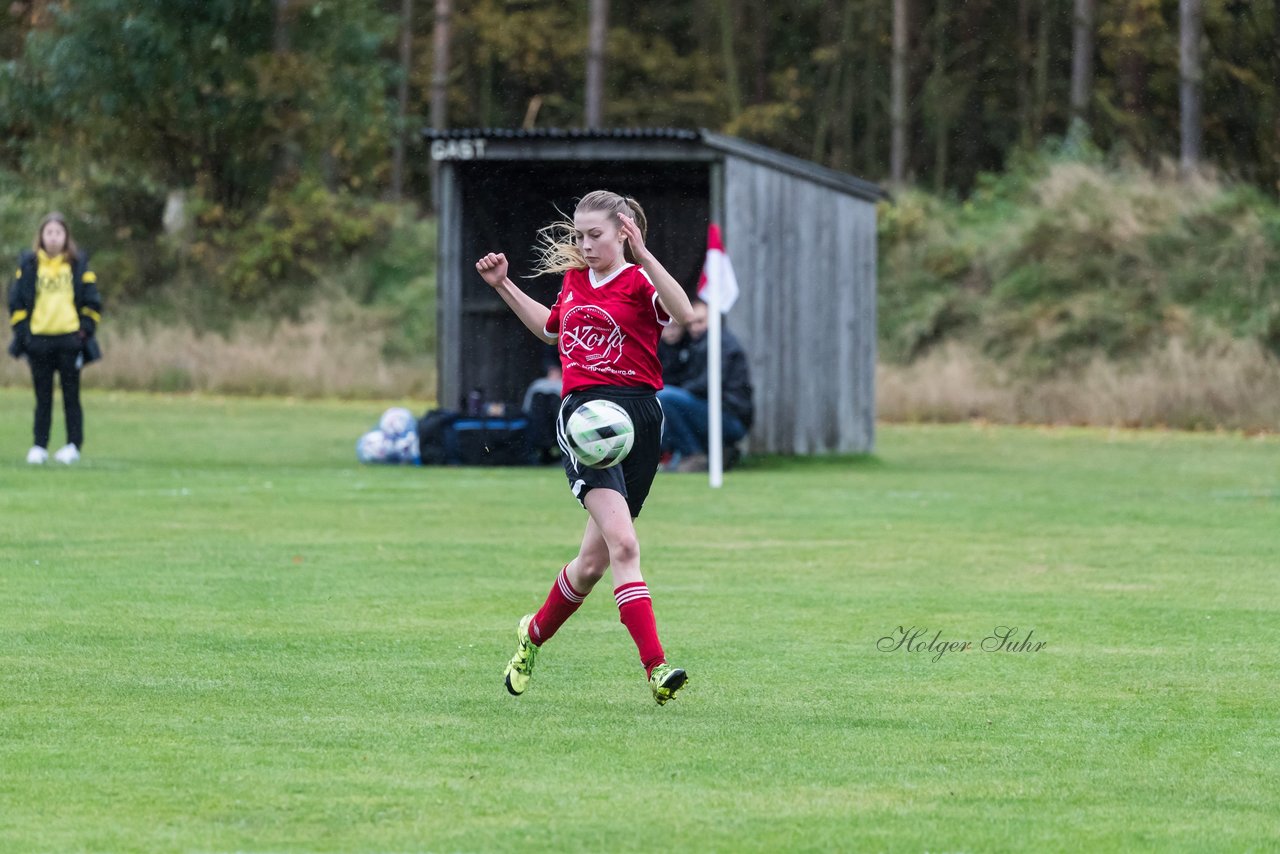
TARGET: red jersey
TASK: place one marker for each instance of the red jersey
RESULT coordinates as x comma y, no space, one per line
608,329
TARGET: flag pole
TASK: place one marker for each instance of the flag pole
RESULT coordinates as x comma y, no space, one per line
715,416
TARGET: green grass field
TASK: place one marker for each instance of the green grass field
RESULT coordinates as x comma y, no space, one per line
220,633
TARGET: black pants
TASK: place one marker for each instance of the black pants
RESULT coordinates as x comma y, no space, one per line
61,353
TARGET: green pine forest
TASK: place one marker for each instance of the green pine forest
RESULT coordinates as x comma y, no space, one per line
249,168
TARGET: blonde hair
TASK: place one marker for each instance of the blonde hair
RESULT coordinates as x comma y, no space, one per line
557,248
70,250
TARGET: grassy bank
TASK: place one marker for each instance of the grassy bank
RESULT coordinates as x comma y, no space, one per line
1061,262
1073,290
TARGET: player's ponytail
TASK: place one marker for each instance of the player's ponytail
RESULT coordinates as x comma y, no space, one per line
557,247
642,222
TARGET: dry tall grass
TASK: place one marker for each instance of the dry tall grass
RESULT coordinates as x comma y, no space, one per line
1232,386
335,354
313,357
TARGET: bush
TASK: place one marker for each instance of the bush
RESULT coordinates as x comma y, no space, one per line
264,256
112,220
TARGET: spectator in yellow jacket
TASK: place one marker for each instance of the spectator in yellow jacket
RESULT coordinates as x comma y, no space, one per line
54,309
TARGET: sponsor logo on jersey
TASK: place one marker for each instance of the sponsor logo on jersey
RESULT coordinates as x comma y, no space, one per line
590,335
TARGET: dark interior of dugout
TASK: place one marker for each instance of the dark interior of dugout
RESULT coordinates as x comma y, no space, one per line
503,206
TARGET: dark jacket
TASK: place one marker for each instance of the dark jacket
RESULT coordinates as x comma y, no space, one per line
685,365
22,301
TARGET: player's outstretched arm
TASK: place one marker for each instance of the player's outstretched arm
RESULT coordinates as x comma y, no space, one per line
533,314
673,297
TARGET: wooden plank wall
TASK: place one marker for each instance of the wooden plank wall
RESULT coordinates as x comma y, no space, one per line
805,258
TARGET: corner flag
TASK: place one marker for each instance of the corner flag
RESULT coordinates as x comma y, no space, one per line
718,288
717,280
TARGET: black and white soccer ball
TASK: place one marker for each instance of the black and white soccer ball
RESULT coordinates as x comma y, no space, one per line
600,434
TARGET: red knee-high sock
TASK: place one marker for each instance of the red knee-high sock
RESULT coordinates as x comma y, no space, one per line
561,602
635,609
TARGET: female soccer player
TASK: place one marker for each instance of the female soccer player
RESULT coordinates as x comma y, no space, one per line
54,309
613,303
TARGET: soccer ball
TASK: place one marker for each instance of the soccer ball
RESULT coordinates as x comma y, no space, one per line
374,447
600,434
405,449
397,421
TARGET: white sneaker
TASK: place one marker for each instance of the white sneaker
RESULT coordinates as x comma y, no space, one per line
37,456
67,454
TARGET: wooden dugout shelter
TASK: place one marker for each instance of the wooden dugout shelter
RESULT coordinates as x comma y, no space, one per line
801,237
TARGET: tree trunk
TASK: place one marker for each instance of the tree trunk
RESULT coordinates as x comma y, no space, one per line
830,118
760,50
402,99
1024,73
598,30
729,55
1081,68
1190,23
1131,72
870,104
440,39
488,87
1041,88
940,101
280,27
1274,165
898,97
284,161
842,156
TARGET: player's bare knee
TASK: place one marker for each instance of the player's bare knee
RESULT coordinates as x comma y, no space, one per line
624,549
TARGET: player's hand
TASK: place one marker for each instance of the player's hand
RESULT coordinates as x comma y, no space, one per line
631,231
493,268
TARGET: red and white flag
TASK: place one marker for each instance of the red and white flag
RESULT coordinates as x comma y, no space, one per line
717,274
718,287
